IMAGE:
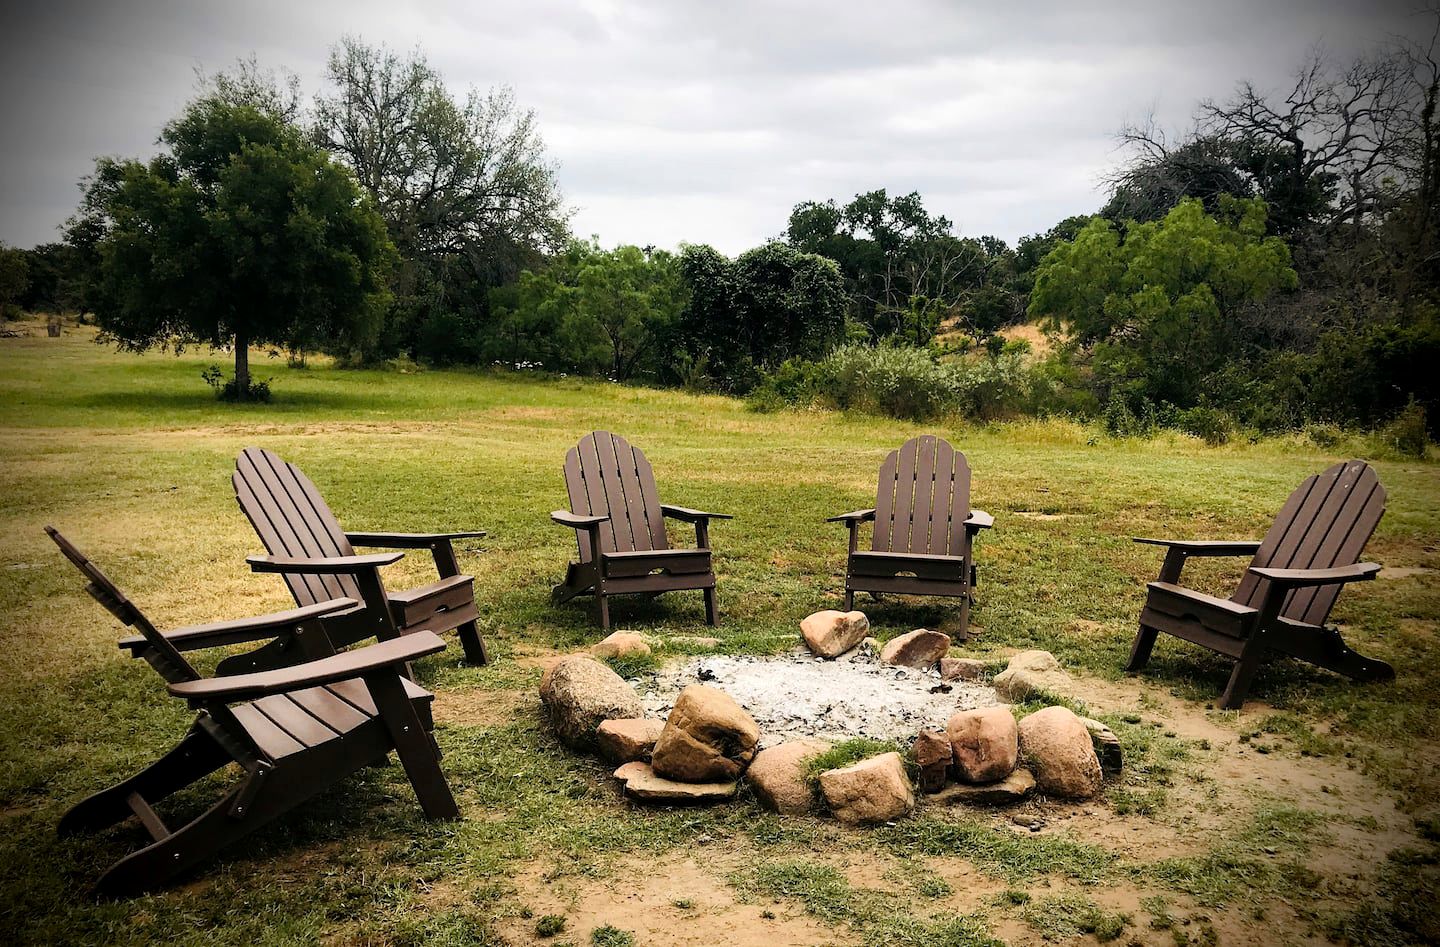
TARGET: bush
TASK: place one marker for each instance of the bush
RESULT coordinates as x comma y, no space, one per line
1408,433
1210,424
899,381
227,389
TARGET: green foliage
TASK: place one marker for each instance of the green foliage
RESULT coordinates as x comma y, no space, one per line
550,925
609,936
1067,916
1156,307
228,389
243,233
1408,434
14,278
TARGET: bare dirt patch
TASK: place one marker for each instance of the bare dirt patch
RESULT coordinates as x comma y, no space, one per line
479,707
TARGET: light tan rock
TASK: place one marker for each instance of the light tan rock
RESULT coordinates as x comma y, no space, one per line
1056,747
1030,673
579,693
778,776
621,644
916,649
933,755
1107,746
872,790
985,744
830,633
707,738
627,740
1005,792
642,783
961,669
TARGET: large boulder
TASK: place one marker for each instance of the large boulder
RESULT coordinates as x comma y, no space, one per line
961,669
642,783
1057,748
1030,673
916,649
872,790
707,738
933,755
628,740
985,743
777,776
830,633
579,693
1008,791
621,644
1107,746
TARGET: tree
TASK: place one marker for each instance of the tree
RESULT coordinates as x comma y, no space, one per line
14,278
242,233
1159,175
467,192
1157,308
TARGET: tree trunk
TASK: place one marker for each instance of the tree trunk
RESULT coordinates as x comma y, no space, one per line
242,366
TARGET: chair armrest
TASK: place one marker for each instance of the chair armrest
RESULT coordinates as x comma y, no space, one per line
1206,547
339,667
979,519
235,631
575,520
409,540
1299,578
333,565
854,516
689,515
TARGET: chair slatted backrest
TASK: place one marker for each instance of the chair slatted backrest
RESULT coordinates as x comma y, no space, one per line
292,519
605,476
166,658
1325,523
923,499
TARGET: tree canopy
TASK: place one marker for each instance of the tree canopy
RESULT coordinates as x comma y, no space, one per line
242,233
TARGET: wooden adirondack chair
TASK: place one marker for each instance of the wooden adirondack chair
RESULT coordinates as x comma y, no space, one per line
1281,604
619,525
923,541
318,561
294,732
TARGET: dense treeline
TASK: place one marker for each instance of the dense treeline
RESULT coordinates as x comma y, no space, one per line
1275,265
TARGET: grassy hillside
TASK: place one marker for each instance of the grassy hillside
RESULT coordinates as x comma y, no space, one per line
131,457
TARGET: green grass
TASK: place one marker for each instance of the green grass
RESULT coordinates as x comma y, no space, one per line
131,457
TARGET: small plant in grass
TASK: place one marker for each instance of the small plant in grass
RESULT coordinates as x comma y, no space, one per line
1071,915
632,665
227,389
683,904
848,752
608,936
550,925
1014,896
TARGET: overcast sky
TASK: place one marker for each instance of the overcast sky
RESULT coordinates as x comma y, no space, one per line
703,122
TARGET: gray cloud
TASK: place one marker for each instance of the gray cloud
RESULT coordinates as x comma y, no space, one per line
689,121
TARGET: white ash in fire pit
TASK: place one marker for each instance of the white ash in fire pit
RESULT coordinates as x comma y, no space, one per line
795,695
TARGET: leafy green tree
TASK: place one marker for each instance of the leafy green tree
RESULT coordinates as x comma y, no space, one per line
242,233
1157,308
14,278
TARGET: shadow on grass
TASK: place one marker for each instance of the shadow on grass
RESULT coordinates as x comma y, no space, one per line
197,402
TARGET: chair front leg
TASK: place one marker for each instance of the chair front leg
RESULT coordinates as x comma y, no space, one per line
417,754
1145,636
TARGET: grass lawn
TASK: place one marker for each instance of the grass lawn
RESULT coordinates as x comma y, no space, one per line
1312,814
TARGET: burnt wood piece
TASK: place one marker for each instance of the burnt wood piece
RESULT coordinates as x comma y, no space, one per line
1280,605
923,538
619,525
293,732
297,527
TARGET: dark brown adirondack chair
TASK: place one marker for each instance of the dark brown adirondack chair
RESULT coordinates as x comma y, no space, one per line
1294,577
619,525
923,541
294,732
318,560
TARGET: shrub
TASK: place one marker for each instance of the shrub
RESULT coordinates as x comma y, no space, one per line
227,389
899,381
1210,424
1408,433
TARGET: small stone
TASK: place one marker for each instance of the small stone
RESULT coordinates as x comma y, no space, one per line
1107,746
867,650
1030,673
707,738
1005,792
933,756
778,776
872,790
917,649
621,644
961,669
1057,748
642,783
985,743
628,740
579,693
830,633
